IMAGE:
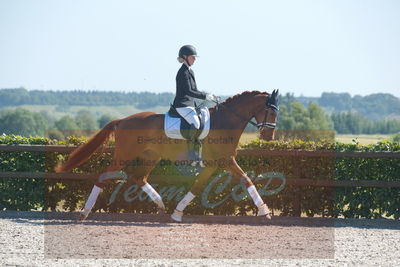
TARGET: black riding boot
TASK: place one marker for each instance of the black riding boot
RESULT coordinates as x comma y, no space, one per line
193,144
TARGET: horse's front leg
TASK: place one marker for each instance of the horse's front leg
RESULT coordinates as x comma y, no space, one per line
195,190
240,176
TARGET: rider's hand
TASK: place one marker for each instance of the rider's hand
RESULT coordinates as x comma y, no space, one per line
211,97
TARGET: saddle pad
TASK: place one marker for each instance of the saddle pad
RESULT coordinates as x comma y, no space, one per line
172,126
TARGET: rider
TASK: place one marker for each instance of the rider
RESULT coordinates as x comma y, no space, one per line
186,92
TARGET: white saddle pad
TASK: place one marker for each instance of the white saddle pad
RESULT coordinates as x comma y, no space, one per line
172,126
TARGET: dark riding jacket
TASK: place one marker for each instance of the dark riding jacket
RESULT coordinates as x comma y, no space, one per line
186,88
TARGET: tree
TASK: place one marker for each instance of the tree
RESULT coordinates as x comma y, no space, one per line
304,123
23,122
319,120
298,117
396,138
287,100
337,101
355,123
85,120
66,123
104,119
67,126
18,96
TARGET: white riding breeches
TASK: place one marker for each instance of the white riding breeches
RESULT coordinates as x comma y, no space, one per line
189,113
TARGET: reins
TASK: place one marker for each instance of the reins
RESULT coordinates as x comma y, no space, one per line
260,125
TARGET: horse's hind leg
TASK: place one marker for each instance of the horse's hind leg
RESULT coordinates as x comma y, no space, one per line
194,190
112,172
140,172
155,197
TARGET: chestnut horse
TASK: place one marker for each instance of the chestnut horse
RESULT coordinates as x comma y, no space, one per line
138,137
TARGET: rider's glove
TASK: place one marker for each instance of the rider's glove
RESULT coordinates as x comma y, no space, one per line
211,97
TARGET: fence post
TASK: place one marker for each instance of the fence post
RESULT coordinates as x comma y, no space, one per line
297,196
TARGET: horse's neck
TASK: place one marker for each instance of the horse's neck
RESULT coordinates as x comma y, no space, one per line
231,117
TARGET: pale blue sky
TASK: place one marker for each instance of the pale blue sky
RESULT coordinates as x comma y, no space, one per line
304,47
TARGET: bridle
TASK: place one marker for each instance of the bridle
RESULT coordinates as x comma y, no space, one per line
263,124
260,125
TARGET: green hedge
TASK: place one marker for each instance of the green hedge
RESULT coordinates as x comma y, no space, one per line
349,202
220,196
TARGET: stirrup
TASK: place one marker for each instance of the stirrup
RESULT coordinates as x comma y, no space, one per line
198,163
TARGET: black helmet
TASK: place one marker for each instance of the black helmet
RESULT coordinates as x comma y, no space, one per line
187,50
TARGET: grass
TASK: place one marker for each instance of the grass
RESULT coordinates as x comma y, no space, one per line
363,139
247,137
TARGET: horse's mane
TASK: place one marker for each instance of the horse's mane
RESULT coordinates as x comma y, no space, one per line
233,99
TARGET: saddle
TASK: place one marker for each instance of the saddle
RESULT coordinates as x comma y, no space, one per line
176,127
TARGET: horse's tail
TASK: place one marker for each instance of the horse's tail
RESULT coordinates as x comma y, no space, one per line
82,153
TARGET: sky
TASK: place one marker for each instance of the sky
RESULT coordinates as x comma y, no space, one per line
305,47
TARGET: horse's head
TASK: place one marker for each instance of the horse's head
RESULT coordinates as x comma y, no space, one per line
266,116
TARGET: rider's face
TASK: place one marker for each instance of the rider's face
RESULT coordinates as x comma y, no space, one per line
191,60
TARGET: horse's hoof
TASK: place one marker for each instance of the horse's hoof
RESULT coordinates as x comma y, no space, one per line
82,217
263,210
177,216
266,219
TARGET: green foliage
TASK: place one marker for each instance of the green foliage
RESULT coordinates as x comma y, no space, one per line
396,138
319,120
358,202
83,125
22,122
352,115
294,116
22,194
66,123
353,202
375,107
104,119
142,100
338,101
297,117
55,134
354,123
86,121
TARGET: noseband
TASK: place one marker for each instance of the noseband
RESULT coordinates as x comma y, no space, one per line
271,125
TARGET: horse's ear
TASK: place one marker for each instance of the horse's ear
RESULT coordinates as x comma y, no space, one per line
272,100
275,93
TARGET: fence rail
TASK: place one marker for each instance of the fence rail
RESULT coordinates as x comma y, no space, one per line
241,152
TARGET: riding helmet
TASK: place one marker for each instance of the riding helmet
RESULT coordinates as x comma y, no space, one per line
187,50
